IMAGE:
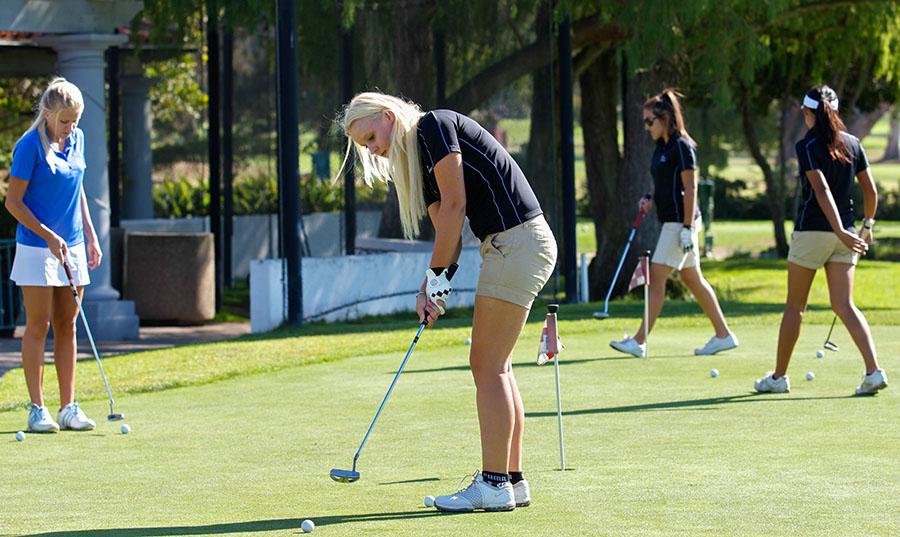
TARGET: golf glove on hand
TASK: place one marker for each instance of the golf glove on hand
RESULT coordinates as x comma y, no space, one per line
686,239
437,286
866,233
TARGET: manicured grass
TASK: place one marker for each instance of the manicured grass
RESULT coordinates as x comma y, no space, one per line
654,447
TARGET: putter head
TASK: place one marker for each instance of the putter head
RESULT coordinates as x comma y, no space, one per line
344,476
600,315
115,416
830,346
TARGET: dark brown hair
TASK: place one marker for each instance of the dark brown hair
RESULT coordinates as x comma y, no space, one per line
665,106
828,125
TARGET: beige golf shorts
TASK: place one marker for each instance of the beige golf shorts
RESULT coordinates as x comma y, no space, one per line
668,247
516,263
812,249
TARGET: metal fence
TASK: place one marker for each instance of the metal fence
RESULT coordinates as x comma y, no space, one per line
10,297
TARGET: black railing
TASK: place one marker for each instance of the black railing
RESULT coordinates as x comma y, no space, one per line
10,299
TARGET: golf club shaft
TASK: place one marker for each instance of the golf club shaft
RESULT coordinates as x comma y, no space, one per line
830,330
390,389
612,285
562,449
87,329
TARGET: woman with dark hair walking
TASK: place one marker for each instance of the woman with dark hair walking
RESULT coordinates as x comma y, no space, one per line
824,235
675,197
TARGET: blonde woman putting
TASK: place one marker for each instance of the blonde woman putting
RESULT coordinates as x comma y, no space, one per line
824,236
447,166
675,197
47,198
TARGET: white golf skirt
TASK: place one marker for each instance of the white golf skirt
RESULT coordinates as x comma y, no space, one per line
36,266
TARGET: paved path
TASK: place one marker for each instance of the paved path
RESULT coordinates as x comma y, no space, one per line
150,338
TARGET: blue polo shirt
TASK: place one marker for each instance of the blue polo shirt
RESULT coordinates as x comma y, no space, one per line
812,154
498,196
669,160
53,196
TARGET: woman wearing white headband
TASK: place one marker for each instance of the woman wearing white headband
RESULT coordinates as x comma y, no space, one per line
446,166
824,235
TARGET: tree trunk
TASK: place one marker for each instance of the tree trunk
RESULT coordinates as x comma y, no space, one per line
616,181
411,75
892,151
860,123
775,192
541,162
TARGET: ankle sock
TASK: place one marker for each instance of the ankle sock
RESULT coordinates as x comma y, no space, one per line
515,477
495,479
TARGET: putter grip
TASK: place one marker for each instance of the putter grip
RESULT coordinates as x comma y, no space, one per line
65,265
638,218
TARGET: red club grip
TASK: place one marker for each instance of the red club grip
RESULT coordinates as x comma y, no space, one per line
638,218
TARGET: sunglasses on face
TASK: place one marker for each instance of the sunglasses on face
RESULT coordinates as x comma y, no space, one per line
648,121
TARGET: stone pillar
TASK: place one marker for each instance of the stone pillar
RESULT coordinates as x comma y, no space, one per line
137,195
80,59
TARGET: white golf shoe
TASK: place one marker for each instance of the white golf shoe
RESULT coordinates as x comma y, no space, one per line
874,381
630,346
39,420
478,495
768,384
522,493
717,344
72,417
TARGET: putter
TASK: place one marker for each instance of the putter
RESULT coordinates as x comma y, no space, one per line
113,416
605,313
349,476
829,345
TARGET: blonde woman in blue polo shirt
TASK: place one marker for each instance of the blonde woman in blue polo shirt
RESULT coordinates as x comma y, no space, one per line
47,198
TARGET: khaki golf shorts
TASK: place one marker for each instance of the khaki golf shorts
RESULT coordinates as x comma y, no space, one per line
668,248
812,249
516,263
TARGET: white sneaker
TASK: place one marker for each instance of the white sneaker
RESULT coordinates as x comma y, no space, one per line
39,420
717,344
769,385
630,346
522,493
874,381
478,495
72,417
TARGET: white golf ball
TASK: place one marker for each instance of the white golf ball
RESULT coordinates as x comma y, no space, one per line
820,354
428,501
20,436
307,526
714,373
810,375
468,341
125,428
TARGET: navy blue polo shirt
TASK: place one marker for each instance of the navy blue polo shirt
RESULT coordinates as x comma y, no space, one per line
812,154
498,197
669,160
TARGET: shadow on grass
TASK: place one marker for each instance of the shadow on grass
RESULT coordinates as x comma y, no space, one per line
517,365
242,527
689,404
420,480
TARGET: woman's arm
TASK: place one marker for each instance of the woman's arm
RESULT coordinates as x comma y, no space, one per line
870,205
90,235
16,207
449,214
689,180
830,210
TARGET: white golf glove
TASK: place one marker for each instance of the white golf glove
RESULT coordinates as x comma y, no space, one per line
437,286
866,234
685,237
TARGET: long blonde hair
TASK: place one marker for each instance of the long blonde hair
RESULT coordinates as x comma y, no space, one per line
60,95
402,165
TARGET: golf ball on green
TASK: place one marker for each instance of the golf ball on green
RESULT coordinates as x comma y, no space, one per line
714,373
20,436
810,375
125,428
428,501
820,354
468,341
307,526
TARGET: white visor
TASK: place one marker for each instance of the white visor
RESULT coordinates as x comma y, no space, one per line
812,104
